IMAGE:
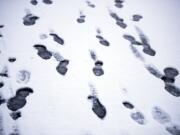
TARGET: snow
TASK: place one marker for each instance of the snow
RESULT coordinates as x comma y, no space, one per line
59,104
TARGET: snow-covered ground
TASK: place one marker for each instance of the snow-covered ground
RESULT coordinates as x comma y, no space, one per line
126,100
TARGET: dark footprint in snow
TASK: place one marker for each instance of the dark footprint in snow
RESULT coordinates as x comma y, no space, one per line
97,107
23,76
47,1
121,24
16,103
19,100
171,72
155,72
90,4
136,17
30,19
34,2
115,16
119,3
24,92
98,71
46,55
128,105
138,117
148,50
11,59
57,39
81,19
62,67
131,39
104,42
1,84
172,89
15,115
160,115
43,52
173,129
99,37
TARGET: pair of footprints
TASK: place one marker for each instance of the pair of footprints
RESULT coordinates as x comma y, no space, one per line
168,78
144,43
158,115
119,21
45,54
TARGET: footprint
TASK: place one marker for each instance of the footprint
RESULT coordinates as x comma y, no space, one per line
131,39
98,71
34,2
173,129
119,3
171,72
136,17
138,117
172,89
43,52
11,59
23,76
57,39
62,67
97,107
47,1
82,17
15,115
30,19
128,105
160,115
